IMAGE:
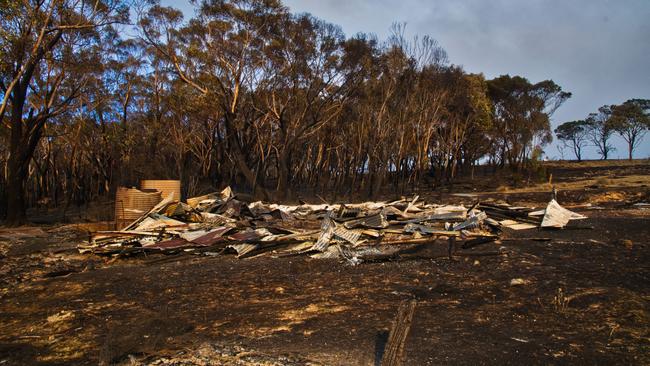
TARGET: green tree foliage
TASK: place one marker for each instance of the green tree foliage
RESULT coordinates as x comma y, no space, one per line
575,135
631,120
522,113
601,129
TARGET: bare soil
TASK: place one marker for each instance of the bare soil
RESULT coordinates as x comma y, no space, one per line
579,296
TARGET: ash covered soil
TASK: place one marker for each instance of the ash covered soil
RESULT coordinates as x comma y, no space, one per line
575,296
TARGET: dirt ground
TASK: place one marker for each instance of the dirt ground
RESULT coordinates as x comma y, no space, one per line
575,296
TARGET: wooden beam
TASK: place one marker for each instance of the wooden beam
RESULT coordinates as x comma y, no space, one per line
394,351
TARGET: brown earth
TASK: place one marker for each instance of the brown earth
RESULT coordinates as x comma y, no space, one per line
580,296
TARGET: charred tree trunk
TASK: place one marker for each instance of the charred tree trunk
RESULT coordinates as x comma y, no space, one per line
240,158
21,149
16,177
284,172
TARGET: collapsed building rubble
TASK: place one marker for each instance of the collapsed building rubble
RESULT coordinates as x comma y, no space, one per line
220,223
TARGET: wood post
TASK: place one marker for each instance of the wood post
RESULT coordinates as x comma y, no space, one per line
394,351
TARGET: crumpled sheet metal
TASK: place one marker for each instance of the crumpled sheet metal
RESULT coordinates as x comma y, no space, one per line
213,237
206,237
216,219
377,221
557,216
159,208
327,231
423,229
156,221
250,235
220,223
348,235
243,248
176,243
328,253
471,223
445,216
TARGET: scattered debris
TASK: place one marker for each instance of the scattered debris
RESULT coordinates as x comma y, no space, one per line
222,222
518,282
219,354
557,216
514,225
519,340
63,315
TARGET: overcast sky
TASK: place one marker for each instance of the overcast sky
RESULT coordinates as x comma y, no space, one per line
599,50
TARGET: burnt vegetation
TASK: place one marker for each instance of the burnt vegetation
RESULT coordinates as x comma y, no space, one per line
100,94
444,268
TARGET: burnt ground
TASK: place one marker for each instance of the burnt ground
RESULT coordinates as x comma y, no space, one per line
584,299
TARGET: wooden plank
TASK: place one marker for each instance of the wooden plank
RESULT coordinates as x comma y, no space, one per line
431,239
394,351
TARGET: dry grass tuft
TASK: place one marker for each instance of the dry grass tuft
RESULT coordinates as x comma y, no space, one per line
560,301
603,181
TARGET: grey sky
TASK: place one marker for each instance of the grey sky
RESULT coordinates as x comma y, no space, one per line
597,49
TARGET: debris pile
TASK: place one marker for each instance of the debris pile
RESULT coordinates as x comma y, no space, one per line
219,223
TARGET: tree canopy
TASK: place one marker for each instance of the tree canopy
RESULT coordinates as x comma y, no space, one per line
575,135
244,93
631,120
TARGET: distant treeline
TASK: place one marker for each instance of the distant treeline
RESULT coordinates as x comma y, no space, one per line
246,94
630,120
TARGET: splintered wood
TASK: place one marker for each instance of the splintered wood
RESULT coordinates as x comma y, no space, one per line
394,351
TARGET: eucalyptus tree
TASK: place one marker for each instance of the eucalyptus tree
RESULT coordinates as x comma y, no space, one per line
522,112
632,120
601,129
467,117
49,50
575,135
219,53
401,108
342,147
303,87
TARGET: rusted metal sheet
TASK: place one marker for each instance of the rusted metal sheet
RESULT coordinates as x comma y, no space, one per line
176,243
249,235
213,237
